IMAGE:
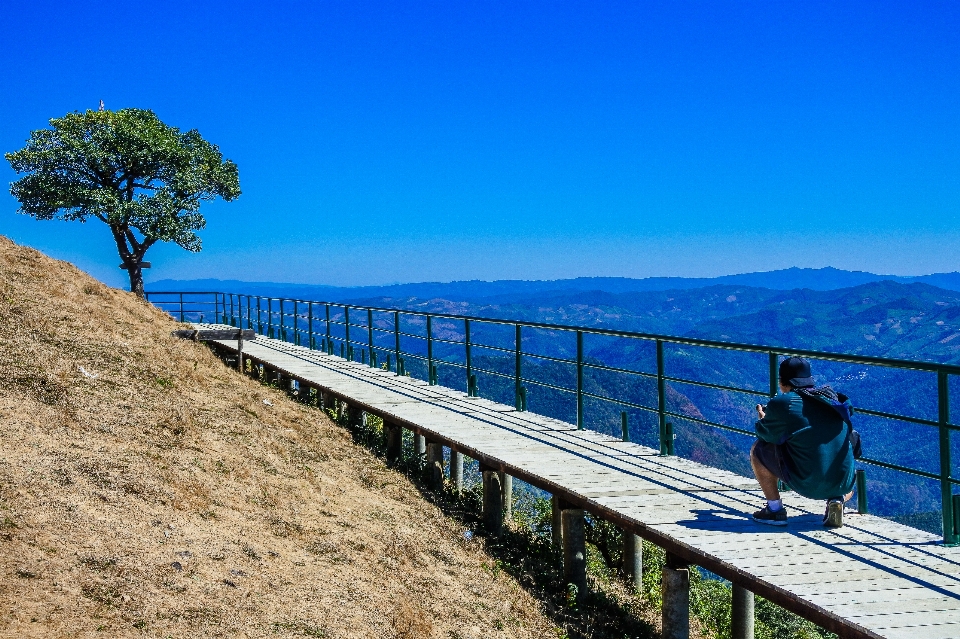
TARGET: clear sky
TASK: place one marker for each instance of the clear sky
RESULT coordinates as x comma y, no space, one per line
396,142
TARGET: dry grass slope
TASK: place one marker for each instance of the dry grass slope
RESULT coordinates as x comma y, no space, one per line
146,490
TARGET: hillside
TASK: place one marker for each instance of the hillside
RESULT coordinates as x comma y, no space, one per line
146,490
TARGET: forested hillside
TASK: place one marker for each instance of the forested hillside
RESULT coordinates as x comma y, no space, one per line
885,319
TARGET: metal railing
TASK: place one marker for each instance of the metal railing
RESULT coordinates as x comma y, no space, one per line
326,326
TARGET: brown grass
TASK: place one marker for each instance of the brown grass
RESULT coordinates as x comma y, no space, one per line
160,496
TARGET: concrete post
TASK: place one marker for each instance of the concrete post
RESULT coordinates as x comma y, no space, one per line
633,560
492,503
420,448
435,464
456,470
676,599
575,550
506,481
556,524
742,614
394,442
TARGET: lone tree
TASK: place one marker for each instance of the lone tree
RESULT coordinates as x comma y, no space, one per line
142,178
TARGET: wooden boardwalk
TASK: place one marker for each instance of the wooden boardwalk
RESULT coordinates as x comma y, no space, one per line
871,578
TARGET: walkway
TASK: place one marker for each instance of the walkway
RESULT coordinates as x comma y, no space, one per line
871,578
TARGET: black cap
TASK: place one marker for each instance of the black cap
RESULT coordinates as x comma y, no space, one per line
796,372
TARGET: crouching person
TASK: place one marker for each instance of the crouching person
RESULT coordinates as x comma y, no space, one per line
805,438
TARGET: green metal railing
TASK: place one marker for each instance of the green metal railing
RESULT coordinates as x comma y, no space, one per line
298,321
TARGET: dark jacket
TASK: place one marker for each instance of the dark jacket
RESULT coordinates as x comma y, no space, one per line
814,445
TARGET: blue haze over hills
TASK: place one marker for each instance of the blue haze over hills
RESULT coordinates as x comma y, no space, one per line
822,279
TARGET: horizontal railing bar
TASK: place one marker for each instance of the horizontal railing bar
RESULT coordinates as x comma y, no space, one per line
904,418
525,380
619,402
490,372
904,469
184,293
614,369
493,348
707,422
670,339
561,360
733,389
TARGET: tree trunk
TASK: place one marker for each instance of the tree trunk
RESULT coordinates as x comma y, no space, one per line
136,279
131,256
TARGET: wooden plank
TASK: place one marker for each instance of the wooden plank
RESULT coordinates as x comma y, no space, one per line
210,335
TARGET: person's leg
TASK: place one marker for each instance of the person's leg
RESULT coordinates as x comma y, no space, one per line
763,455
768,481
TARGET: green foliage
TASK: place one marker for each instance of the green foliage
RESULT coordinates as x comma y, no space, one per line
127,169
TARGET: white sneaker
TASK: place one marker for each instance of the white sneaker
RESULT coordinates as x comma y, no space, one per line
833,516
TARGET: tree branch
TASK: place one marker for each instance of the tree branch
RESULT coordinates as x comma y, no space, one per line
120,239
134,244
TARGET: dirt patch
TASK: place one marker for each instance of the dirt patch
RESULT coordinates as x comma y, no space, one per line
147,490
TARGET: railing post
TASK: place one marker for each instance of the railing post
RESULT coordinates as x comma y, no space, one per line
518,374
295,327
181,307
249,322
429,351
329,343
270,317
662,399
580,380
346,328
259,318
468,356
624,428
774,374
283,328
946,486
373,358
232,314
396,338
861,491
956,513
310,340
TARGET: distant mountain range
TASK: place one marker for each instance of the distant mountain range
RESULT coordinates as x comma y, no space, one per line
822,279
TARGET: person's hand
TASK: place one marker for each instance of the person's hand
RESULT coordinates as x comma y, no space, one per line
760,411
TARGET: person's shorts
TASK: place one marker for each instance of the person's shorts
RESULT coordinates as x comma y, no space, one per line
771,457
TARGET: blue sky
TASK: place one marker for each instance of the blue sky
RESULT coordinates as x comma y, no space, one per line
396,142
